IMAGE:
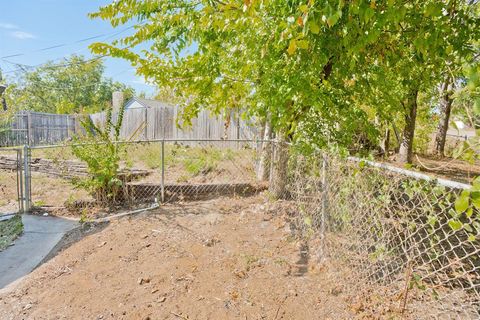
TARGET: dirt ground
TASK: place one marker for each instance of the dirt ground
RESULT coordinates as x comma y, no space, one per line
217,259
457,170
447,168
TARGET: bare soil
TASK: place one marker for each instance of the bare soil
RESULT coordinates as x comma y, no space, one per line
8,192
217,259
447,168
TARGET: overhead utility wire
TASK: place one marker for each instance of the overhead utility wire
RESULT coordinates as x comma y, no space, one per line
24,67
111,34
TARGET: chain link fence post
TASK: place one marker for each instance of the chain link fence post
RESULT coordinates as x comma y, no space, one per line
27,178
324,208
20,186
163,173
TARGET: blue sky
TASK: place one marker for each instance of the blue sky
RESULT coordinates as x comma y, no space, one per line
29,25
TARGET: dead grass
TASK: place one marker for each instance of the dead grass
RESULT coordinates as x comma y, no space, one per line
184,163
8,192
55,192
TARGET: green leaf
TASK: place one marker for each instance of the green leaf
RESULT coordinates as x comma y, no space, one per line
469,212
461,204
303,8
468,227
476,184
292,47
433,9
314,28
302,44
475,197
369,13
455,224
432,220
333,19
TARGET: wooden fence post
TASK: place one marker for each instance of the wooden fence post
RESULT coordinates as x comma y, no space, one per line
68,126
146,123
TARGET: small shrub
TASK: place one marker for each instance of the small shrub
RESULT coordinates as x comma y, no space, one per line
100,150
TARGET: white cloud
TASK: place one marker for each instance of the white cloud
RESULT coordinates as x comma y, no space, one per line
22,35
8,26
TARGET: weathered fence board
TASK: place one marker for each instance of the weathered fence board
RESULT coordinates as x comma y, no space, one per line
161,123
35,128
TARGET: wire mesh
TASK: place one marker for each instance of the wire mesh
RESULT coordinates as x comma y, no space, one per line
199,169
148,172
410,246
11,191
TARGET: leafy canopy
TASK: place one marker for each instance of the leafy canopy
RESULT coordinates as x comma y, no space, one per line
317,67
74,85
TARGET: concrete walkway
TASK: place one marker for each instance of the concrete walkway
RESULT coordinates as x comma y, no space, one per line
39,237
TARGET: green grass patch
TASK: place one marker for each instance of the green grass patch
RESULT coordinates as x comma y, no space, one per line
9,230
195,160
201,161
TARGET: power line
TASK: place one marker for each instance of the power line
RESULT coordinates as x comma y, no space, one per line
24,67
108,35
81,86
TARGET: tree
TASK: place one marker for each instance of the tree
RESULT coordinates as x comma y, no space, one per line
300,62
75,85
445,106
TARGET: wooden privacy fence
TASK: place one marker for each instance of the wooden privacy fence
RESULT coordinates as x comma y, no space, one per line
37,128
160,123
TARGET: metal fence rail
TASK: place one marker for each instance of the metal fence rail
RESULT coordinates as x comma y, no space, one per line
409,249
149,171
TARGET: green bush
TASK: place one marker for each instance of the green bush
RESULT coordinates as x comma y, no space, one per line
100,150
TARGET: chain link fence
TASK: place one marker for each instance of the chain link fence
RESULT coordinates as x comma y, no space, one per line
11,181
149,172
409,245
405,245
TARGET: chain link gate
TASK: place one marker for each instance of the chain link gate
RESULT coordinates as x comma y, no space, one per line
12,197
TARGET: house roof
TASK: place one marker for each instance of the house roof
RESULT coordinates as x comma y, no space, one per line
147,103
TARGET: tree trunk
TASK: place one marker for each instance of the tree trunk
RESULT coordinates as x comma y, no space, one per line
405,152
445,110
263,172
278,185
385,143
